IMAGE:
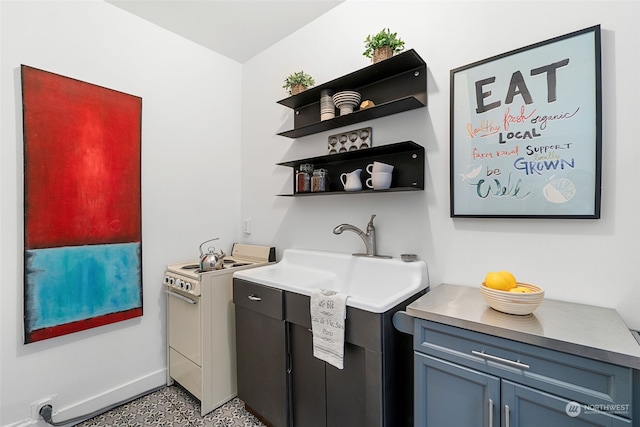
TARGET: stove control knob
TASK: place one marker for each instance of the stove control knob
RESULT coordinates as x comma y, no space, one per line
181,283
166,280
170,280
187,286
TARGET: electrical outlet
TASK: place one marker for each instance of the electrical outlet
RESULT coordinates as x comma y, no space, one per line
38,404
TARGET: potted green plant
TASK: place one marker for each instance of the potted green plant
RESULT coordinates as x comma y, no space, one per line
298,82
382,45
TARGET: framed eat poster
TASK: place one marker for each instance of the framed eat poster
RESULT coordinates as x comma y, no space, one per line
526,135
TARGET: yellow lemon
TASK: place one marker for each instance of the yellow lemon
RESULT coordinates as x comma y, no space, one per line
520,290
510,277
499,280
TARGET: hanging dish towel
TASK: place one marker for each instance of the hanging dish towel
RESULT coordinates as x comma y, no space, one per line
328,314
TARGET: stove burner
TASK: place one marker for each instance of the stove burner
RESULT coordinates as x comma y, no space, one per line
228,263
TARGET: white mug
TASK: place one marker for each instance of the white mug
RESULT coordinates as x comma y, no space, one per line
351,181
379,181
379,167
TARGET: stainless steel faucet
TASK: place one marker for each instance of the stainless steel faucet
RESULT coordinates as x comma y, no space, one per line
369,238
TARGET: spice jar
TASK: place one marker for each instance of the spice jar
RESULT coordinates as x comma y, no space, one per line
320,181
303,178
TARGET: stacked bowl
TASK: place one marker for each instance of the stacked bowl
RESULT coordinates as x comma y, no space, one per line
327,109
346,101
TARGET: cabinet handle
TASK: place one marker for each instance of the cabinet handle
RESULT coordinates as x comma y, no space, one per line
506,415
490,413
254,298
515,363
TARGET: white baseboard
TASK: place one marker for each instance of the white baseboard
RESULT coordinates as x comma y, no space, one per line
103,401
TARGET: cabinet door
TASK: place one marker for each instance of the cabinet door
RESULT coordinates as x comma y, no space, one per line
261,351
450,395
349,392
527,407
308,392
324,396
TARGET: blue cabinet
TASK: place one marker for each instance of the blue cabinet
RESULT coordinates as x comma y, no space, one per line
452,395
526,407
466,378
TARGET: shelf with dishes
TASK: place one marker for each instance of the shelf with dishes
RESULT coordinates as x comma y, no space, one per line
403,161
394,85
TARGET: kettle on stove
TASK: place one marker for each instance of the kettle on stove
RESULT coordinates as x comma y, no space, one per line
211,260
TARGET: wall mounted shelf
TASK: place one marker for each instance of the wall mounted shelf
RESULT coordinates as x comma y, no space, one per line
407,158
395,85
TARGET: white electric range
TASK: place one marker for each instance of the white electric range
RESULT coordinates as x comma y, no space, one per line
201,324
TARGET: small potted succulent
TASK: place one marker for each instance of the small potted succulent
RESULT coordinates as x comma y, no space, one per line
298,82
382,45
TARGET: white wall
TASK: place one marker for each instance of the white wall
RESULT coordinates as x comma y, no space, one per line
585,261
191,139
191,147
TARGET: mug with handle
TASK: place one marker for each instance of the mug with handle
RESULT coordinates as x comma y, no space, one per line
379,181
379,167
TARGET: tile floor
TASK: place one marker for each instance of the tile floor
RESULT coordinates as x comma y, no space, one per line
173,407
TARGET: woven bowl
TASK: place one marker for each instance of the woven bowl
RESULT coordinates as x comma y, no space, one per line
512,302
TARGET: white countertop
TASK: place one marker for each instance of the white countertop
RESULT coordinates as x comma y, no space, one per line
584,330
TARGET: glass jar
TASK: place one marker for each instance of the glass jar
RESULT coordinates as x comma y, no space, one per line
303,178
320,181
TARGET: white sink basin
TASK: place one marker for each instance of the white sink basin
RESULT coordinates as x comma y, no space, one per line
372,284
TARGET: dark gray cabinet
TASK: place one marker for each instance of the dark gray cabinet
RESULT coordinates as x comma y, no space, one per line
323,395
375,388
261,342
472,379
307,380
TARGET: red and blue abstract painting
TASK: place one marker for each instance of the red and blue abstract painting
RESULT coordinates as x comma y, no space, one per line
82,205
